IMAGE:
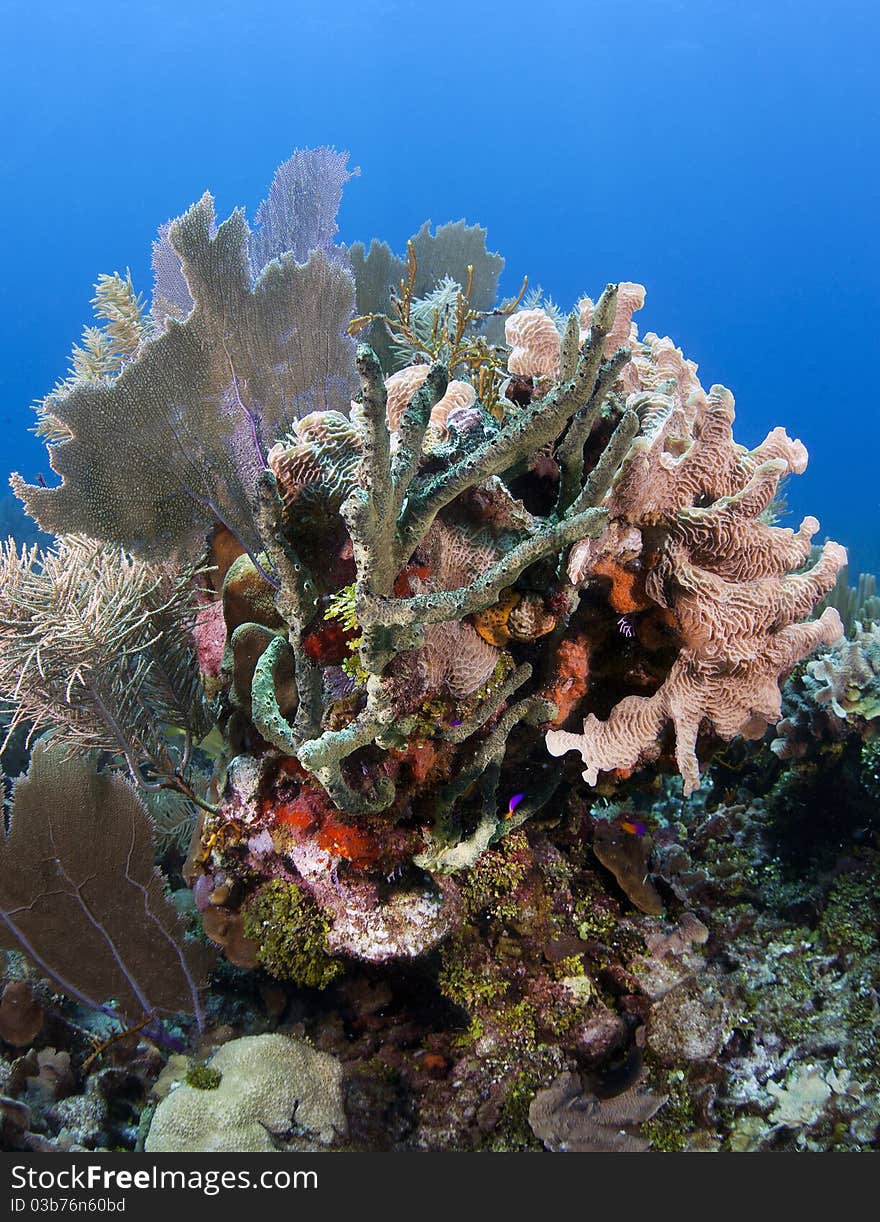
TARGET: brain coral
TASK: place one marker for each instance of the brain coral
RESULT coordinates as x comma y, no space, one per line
401,387
269,1084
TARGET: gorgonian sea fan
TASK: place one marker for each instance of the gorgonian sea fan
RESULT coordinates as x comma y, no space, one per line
155,457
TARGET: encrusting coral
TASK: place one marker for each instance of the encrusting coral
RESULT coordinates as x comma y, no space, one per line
834,698
566,1118
847,678
398,568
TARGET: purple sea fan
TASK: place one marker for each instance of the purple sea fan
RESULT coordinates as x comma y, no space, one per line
189,413
299,214
171,295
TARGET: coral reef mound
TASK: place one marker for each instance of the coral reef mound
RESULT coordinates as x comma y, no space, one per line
339,597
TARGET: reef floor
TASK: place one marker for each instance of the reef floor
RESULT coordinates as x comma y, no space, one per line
740,1012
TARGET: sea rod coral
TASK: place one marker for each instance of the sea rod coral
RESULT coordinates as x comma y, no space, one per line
405,568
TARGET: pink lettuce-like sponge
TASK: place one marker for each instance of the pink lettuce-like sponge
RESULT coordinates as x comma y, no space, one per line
534,343
687,525
401,387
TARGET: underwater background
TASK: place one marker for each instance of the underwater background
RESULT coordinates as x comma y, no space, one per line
721,152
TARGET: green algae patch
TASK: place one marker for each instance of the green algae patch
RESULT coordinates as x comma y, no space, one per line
495,877
465,979
291,934
671,1130
203,1077
849,922
514,1132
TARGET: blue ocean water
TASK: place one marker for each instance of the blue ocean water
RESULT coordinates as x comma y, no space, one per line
722,152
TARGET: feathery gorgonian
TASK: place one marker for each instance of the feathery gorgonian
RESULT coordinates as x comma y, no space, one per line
98,647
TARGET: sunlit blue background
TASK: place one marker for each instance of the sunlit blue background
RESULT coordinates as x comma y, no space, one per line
722,152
